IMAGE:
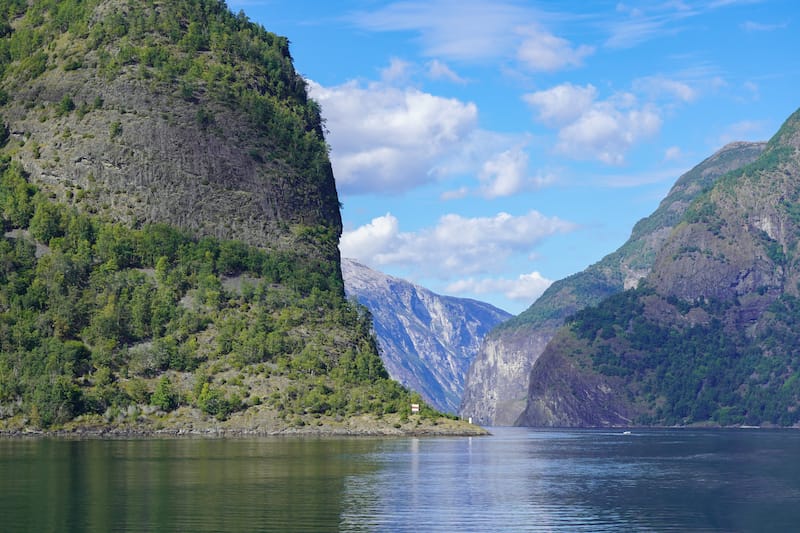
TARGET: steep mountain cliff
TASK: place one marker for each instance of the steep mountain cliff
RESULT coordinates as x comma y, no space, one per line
497,382
711,334
173,112
427,340
170,223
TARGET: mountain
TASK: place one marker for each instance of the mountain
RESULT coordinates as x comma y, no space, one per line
170,225
497,382
710,336
427,340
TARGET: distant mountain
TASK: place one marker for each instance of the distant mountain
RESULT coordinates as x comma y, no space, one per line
712,334
427,341
497,383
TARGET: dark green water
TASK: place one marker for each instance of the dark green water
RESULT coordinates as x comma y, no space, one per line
515,480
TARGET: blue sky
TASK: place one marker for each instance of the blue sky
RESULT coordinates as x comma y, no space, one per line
484,149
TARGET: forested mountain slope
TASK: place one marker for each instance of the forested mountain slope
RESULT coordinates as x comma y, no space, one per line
497,383
711,335
170,225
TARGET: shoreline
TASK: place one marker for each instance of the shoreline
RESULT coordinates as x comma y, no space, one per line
190,425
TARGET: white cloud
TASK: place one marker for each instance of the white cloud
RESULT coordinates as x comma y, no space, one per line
607,132
455,194
662,19
664,175
563,103
438,70
478,30
751,26
397,71
506,174
370,239
455,246
672,153
526,288
753,89
725,3
543,51
388,139
659,86
452,29
603,130
629,33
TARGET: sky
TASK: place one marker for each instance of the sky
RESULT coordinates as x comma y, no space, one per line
484,149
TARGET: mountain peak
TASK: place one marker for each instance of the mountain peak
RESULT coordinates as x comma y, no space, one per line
427,340
497,384
711,335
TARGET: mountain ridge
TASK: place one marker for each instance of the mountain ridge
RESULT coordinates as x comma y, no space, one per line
427,340
497,383
710,336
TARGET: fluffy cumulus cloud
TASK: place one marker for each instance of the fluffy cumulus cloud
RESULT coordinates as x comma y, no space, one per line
607,132
506,173
592,128
526,288
543,51
563,103
456,246
390,139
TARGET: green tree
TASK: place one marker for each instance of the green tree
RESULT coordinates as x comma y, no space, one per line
165,397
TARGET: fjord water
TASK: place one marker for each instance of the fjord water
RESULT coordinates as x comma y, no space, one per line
515,480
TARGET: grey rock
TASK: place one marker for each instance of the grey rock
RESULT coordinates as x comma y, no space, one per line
427,340
496,388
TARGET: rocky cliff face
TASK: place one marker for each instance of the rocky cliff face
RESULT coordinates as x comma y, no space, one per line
427,340
169,230
496,388
711,334
125,116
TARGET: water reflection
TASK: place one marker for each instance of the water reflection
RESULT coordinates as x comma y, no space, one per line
516,480
173,485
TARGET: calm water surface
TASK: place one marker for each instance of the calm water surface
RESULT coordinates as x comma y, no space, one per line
516,480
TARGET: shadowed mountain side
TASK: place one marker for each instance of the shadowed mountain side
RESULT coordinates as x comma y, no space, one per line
497,383
427,341
711,335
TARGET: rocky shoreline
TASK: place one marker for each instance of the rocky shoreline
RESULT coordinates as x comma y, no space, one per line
189,423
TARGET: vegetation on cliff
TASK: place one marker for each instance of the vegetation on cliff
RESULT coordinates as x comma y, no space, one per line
497,384
711,335
169,227
97,318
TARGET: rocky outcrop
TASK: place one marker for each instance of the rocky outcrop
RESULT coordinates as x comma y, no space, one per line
139,139
710,336
427,340
496,389
169,230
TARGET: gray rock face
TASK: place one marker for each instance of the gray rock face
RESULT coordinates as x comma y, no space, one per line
112,131
727,278
427,340
496,388
159,165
